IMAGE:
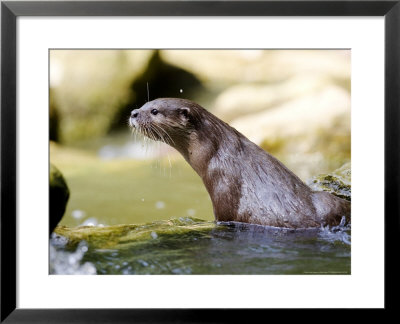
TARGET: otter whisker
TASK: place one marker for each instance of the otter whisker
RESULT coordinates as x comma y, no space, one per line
172,143
145,138
151,133
134,131
162,138
141,132
146,134
166,139
156,134
170,165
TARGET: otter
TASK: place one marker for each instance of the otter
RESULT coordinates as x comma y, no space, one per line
246,183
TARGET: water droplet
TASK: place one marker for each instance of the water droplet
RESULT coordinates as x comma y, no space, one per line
191,212
71,259
160,204
90,222
154,235
78,214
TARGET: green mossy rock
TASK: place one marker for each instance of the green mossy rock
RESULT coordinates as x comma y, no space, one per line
59,195
338,182
123,236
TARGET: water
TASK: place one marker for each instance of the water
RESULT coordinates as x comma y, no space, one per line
188,245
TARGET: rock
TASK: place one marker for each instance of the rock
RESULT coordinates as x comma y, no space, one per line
96,89
245,99
121,236
297,117
59,195
236,66
54,120
338,182
90,86
317,152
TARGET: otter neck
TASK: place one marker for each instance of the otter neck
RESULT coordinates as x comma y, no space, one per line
196,154
201,147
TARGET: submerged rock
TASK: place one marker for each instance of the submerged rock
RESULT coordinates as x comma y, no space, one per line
338,182
59,195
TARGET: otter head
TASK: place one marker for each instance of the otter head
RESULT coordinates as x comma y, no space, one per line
168,120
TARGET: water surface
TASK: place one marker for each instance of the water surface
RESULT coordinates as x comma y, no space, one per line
192,246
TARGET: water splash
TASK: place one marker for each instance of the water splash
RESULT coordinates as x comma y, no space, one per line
339,233
67,263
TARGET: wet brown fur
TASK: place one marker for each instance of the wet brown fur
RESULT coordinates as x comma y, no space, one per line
245,183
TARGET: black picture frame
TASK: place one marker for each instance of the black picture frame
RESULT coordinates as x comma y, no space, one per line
11,10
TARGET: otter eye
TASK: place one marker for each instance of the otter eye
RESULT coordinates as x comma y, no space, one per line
154,111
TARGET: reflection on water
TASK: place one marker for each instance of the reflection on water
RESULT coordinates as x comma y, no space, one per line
192,246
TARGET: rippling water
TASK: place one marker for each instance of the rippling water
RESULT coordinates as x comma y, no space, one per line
193,246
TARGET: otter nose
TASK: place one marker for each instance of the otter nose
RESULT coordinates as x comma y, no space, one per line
134,113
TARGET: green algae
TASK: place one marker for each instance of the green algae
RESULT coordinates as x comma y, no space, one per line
121,236
338,182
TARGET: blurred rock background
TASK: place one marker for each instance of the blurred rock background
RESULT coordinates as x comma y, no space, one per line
293,103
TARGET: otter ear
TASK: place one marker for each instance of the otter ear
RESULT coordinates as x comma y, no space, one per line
184,111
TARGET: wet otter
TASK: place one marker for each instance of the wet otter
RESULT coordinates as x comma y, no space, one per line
245,183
